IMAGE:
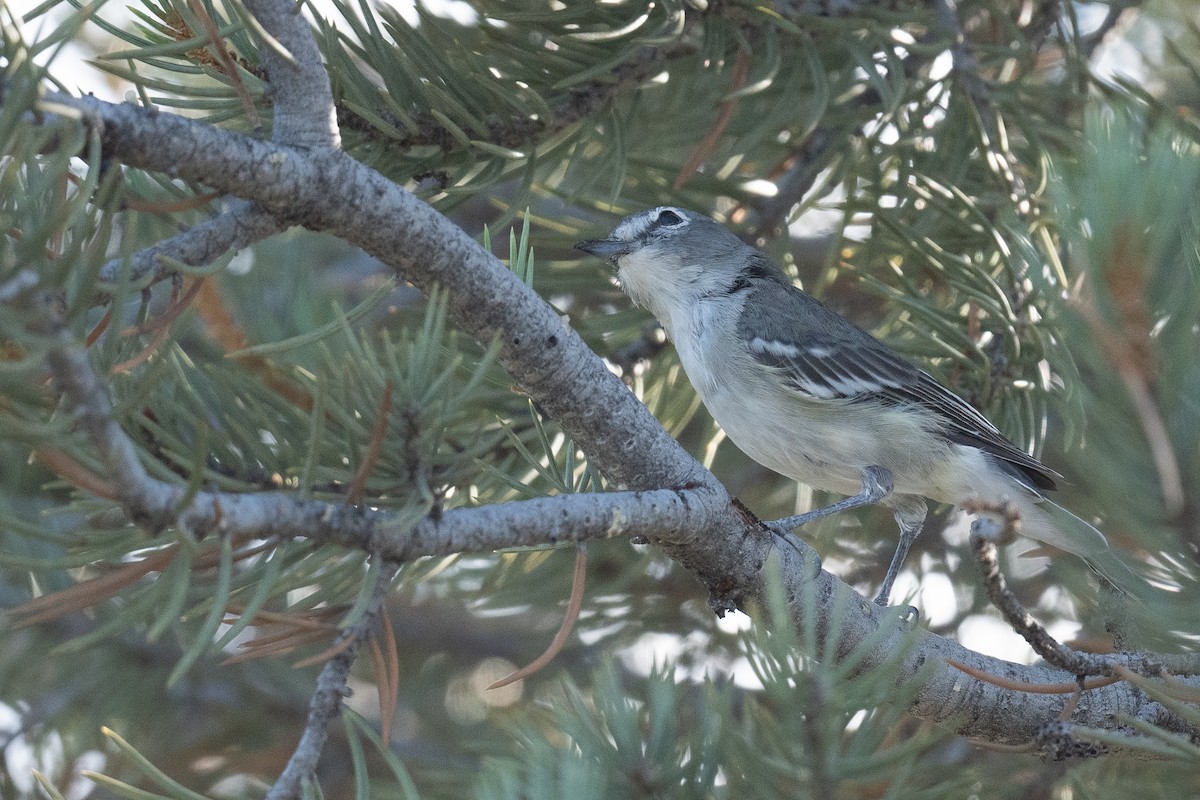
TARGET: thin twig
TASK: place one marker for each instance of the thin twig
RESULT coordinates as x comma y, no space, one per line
303,115
1116,8
984,535
326,703
993,139
240,226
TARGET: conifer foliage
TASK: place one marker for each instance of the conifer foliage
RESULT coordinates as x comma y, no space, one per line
313,427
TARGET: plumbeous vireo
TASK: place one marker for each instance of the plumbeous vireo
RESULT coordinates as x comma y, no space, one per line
807,393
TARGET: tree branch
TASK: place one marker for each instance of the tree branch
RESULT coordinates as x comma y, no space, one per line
299,83
985,534
155,504
326,703
327,190
240,226
304,116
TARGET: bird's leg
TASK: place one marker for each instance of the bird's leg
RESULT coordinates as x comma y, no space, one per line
876,485
910,516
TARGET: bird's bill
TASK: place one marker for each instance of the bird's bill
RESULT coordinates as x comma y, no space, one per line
608,249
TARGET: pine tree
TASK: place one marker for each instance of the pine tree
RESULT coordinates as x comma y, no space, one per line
295,468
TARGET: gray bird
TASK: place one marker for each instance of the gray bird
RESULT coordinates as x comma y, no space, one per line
808,394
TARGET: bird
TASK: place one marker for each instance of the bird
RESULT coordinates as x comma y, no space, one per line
805,392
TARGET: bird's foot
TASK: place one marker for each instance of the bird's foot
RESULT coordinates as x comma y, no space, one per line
805,552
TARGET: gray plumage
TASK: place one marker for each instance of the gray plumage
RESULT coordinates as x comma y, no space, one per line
805,392
835,359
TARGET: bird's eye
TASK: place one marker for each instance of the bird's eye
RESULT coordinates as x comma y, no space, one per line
669,218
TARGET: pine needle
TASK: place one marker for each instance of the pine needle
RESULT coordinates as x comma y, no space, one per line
568,624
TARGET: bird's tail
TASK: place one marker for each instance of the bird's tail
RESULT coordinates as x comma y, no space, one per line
1048,522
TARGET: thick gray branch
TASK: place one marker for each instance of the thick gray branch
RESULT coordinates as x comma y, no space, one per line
483,529
327,190
156,504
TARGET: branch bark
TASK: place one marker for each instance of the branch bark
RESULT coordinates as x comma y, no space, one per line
304,113
155,504
240,226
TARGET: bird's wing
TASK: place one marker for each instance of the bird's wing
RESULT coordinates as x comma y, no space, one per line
825,357
830,367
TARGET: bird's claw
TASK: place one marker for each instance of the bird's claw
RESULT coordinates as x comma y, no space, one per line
806,554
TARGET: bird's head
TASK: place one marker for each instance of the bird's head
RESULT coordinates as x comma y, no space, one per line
666,259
